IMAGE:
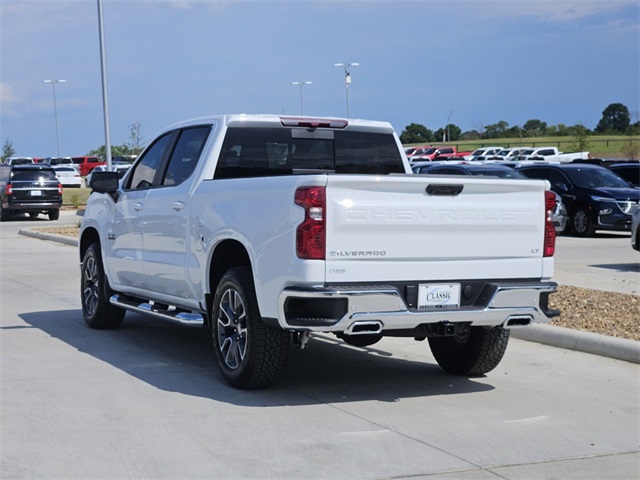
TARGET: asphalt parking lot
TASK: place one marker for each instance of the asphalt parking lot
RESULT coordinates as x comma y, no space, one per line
146,400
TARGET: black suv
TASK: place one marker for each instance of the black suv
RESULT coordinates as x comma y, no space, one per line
32,189
595,198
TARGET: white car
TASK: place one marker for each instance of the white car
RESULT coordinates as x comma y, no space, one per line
69,176
19,161
483,152
121,168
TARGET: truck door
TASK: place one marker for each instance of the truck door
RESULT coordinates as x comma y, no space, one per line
124,236
165,231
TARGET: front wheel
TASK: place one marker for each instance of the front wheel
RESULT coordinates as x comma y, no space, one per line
475,353
95,293
582,223
250,354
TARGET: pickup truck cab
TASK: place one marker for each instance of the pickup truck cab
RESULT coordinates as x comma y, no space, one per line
266,229
87,164
438,153
551,154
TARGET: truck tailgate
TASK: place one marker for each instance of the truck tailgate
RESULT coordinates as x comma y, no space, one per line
414,227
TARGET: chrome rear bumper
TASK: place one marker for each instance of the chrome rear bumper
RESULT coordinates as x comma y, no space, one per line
355,309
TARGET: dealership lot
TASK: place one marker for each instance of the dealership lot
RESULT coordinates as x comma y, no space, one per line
147,401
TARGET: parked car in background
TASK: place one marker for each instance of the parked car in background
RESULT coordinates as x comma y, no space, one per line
417,150
507,154
69,176
436,153
629,171
558,215
595,198
635,230
551,154
58,161
87,164
120,168
31,189
19,161
483,152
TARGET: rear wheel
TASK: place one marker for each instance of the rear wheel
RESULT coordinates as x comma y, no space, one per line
54,214
476,353
250,354
95,293
361,340
582,223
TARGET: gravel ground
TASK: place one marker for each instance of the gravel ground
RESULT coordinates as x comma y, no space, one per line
607,313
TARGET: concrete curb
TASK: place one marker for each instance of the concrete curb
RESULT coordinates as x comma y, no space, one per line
54,237
597,344
588,342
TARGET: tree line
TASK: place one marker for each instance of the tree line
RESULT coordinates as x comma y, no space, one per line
615,120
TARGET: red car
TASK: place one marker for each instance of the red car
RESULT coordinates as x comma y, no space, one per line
87,164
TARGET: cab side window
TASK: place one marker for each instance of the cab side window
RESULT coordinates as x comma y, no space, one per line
185,155
146,169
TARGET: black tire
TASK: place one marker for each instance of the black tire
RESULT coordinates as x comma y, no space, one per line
361,340
250,354
582,223
95,292
33,214
54,214
4,214
477,353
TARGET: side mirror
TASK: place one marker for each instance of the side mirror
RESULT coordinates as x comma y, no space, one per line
104,182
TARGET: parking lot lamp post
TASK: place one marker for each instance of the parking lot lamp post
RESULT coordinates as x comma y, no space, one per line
55,108
449,118
301,84
347,80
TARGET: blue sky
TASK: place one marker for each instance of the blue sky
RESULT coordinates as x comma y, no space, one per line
477,61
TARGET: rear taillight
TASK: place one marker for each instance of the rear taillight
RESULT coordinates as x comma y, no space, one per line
549,229
9,189
310,235
60,188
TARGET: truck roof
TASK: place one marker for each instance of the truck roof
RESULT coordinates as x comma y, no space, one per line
285,120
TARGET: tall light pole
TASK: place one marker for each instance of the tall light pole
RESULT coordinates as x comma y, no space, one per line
347,80
105,95
447,126
55,108
301,84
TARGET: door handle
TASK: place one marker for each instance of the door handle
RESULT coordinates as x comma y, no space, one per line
138,206
177,206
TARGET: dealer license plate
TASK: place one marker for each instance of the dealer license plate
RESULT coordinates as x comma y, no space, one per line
439,296
36,193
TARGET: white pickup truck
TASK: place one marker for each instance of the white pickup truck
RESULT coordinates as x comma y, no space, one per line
551,154
267,228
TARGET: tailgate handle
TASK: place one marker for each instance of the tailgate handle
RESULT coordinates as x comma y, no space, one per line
445,190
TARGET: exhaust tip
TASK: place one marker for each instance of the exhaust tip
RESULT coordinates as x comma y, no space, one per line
518,321
364,328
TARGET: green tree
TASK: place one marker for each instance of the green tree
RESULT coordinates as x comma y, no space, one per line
497,130
615,119
450,133
534,128
116,150
470,135
580,135
136,140
416,133
7,150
